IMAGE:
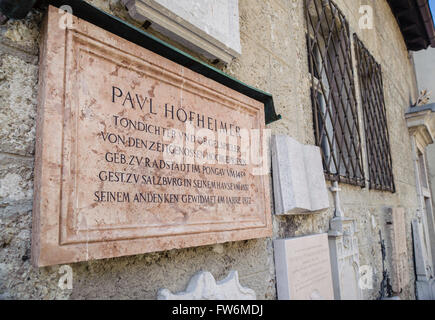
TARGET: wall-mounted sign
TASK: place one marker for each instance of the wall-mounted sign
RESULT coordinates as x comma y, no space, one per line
137,154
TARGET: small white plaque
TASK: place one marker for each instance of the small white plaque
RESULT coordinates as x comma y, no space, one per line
303,268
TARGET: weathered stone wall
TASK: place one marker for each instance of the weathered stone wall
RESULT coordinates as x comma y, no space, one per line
274,59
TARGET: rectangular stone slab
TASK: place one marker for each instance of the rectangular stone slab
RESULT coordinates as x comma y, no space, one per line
298,177
303,268
105,185
209,27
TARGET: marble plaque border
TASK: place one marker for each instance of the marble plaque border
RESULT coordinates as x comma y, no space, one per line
55,236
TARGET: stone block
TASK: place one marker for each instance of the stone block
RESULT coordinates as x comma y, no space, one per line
298,178
203,286
303,268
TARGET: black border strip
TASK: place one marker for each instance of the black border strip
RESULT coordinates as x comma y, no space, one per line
87,12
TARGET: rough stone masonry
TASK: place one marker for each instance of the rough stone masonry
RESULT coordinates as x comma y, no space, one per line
274,60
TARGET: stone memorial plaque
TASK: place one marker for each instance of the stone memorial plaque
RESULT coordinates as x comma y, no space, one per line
111,130
303,268
209,27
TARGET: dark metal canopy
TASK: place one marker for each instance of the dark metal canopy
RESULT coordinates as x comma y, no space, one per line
16,9
416,23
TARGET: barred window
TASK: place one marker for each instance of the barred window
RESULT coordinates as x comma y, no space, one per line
335,115
375,120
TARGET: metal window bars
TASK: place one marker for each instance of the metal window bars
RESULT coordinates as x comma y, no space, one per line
375,120
335,114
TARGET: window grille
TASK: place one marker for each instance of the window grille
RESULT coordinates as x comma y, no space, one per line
335,115
375,120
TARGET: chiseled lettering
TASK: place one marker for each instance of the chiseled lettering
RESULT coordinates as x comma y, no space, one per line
109,196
